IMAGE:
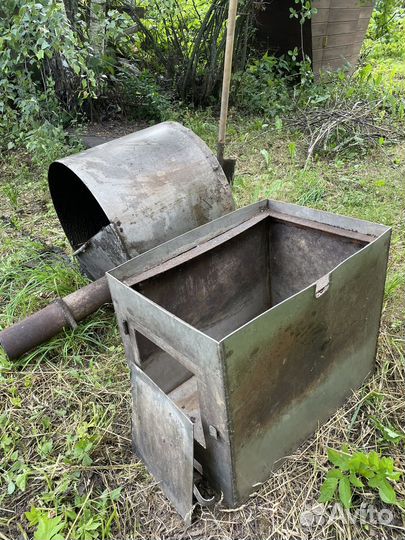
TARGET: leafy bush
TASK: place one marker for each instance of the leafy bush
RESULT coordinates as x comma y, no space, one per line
263,87
184,41
41,65
50,72
139,97
384,19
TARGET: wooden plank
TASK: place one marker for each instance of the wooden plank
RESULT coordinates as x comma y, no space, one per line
321,16
363,24
323,42
343,15
319,29
357,48
366,12
345,27
336,14
360,4
342,27
321,4
343,52
339,63
317,57
335,53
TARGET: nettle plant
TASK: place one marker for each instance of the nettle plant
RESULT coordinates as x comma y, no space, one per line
354,472
42,65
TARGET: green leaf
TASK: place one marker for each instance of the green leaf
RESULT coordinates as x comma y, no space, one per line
355,481
334,473
374,460
395,476
345,492
328,489
338,459
385,490
46,447
33,516
386,464
278,123
21,480
48,528
388,432
115,494
266,156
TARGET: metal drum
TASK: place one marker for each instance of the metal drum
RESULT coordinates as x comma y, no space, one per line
120,199
131,194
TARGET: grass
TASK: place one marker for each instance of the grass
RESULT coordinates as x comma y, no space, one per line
66,466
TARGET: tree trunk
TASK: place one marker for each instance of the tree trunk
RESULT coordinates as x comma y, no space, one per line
97,26
71,8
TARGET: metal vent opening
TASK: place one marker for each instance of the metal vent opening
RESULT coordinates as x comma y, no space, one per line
80,214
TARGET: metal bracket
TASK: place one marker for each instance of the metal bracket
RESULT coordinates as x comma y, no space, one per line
67,313
322,285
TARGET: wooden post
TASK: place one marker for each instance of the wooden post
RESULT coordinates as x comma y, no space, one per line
230,38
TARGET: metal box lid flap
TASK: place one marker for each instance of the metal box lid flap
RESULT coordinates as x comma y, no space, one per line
163,437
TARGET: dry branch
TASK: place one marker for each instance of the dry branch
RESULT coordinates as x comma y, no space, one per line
342,126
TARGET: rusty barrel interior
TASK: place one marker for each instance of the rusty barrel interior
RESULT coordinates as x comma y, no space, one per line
79,213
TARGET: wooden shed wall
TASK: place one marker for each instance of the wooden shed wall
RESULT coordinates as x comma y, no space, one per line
338,31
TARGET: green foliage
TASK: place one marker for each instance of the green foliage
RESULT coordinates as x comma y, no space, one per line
304,10
37,43
263,88
29,277
139,97
84,520
184,42
386,57
353,472
389,433
50,72
385,17
48,527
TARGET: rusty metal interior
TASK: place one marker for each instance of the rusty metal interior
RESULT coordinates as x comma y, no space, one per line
80,214
219,289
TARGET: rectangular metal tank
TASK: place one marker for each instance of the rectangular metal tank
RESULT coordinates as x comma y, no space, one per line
242,336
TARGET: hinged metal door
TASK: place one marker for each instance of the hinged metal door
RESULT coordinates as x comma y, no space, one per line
163,437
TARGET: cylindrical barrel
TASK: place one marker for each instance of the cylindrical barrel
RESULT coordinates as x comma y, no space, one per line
131,194
120,199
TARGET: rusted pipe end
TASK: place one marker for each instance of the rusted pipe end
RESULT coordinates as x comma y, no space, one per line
49,321
32,331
